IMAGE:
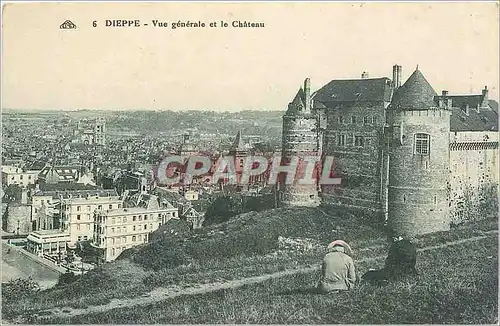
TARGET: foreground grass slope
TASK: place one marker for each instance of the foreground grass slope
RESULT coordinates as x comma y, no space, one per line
247,245
457,284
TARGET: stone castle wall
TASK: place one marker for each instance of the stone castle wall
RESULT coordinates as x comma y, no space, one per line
418,191
358,165
474,176
300,138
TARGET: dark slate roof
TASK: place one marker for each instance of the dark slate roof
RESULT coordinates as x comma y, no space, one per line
460,101
66,186
493,105
36,165
172,197
77,193
484,120
415,94
64,172
354,90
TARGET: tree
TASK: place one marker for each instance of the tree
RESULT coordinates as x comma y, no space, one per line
66,278
223,208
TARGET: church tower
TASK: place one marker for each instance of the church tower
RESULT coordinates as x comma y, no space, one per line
418,140
300,139
100,131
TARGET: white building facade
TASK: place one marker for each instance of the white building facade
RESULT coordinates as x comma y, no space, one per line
120,229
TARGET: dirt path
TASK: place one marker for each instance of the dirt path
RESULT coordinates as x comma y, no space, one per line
165,293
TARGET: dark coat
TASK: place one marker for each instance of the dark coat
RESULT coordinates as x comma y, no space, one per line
401,260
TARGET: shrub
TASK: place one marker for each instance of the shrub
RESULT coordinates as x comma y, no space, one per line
66,278
18,288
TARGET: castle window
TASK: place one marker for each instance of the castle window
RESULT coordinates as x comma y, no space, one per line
366,120
374,120
422,144
359,141
341,119
353,119
341,140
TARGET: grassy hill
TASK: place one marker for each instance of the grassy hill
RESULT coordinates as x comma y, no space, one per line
456,285
250,244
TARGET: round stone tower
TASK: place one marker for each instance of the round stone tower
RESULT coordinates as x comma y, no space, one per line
300,140
418,159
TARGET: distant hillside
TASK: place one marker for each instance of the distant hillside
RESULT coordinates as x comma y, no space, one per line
266,123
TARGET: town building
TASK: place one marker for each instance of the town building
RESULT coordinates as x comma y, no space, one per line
13,175
116,230
90,132
66,174
77,211
47,242
420,160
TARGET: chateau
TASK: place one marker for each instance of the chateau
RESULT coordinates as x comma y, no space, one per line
420,160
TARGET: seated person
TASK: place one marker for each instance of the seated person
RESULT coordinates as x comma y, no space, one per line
337,269
401,261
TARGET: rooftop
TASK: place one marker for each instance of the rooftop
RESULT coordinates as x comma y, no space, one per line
130,210
415,94
354,90
482,119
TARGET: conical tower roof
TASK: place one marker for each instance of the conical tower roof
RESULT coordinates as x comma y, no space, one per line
238,144
415,94
298,103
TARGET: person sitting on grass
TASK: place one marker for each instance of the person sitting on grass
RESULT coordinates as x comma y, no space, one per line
402,259
400,262
337,270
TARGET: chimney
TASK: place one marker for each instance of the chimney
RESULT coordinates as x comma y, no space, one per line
444,93
397,71
365,75
485,97
307,92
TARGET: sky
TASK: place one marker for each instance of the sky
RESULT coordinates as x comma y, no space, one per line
455,45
